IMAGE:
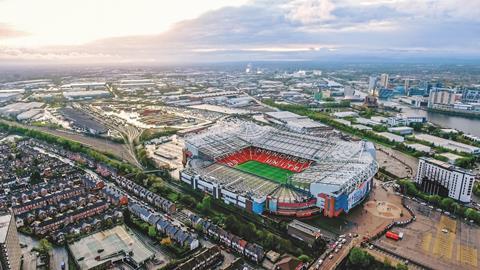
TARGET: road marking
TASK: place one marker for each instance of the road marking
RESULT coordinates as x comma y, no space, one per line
426,242
447,223
443,246
467,255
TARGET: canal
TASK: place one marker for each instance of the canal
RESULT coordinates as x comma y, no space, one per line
467,125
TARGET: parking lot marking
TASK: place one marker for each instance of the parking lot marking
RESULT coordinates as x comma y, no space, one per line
443,246
467,255
447,223
426,241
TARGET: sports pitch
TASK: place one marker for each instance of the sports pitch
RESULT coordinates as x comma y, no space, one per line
266,171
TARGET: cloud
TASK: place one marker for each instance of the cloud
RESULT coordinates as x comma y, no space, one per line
309,30
310,11
6,31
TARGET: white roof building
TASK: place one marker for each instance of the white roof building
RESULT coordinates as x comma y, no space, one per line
361,127
449,144
345,114
401,130
419,147
15,109
391,136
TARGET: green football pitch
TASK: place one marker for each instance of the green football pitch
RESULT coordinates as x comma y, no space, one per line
264,170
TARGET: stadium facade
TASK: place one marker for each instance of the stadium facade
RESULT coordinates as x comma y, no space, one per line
288,173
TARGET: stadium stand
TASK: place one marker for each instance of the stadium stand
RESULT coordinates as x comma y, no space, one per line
261,168
272,158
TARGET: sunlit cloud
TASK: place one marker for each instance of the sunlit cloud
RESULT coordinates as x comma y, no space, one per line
222,30
60,22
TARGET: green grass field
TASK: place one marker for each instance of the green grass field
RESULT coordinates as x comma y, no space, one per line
264,170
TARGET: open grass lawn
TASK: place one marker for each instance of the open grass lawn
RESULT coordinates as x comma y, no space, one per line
266,171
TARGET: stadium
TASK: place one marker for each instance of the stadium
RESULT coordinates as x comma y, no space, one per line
269,170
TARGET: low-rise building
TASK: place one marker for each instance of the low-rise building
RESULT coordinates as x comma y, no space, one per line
295,122
405,120
303,232
401,130
449,144
419,147
345,114
102,249
361,127
72,95
392,137
206,259
367,122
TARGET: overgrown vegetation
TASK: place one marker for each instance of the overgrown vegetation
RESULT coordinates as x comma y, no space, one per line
476,189
360,259
151,134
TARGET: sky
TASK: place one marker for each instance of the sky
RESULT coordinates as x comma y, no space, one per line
165,31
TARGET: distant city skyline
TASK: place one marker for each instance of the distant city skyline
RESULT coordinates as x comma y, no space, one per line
143,31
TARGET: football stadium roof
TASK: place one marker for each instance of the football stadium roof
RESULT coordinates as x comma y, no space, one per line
336,162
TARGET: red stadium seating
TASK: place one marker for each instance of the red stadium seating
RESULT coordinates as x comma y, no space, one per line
272,158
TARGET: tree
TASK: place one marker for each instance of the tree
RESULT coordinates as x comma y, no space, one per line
416,126
358,257
151,231
144,226
446,203
401,266
435,199
44,247
35,177
219,219
207,202
140,176
187,200
304,258
205,205
166,241
198,227
471,214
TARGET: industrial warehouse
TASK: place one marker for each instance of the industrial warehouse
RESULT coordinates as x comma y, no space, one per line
286,173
